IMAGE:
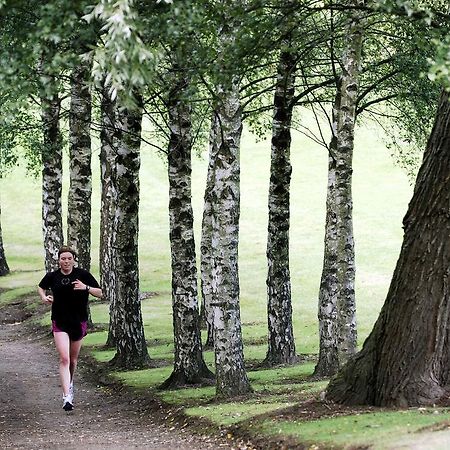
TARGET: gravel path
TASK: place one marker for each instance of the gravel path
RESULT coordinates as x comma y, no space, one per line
31,414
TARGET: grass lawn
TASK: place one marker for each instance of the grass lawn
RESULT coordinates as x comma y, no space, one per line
381,194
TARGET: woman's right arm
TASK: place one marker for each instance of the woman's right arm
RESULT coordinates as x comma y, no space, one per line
44,297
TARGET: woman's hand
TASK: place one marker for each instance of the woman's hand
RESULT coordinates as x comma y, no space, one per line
48,299
44,297
79,286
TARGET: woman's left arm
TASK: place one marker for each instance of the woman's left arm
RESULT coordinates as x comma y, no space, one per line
96,292
80,286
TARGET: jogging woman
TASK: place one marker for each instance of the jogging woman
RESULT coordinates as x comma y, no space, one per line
70,287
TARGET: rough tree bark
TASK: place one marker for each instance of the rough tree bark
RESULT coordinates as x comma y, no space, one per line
337,310
131,348
281,344
51,180
4,269
80,188
405,360
189,365
107,257
231,378
205,244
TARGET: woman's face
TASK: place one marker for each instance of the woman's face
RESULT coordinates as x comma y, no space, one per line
66,262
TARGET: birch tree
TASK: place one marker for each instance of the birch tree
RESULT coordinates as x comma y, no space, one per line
107,255
131,348
51,171
80,188
337,311
4,268
205,245
405,360
281,345
231,377
189,366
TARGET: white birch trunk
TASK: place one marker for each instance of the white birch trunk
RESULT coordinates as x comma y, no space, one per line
131,348
337,309
231,376
4,269
80,188
51,181
189,366
205,245
107,256
281,345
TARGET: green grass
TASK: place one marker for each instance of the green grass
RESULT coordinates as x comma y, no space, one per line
13,294
381,194
377,429
231,413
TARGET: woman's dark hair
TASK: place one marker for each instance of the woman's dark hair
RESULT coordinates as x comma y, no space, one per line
67,249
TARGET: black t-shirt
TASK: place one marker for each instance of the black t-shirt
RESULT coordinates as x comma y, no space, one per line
69,305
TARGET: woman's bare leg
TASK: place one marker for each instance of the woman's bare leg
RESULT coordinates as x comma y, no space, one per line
62,343
75,347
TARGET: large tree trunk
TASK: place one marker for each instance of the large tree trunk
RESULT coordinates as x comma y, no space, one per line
337,310
205,244
51,180
4,269
131,348
189,366
405,360
281,345
80,189
107,256
231,377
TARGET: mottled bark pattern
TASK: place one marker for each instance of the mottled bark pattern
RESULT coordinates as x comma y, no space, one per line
131,348
281,345
189,366
405,360
231,377
80,189
4,269
205,244
51,181
328,362
337,310
108,153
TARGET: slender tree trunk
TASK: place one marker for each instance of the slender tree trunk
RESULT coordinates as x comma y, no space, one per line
189,366
205,245
337,310
131,348
108,151
51,180
4,269
328,362
281,345
231,377
405,360
80,189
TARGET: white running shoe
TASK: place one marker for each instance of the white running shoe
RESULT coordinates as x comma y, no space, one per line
67,402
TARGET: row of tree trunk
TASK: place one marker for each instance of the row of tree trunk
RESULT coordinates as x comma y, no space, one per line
364,378
120,142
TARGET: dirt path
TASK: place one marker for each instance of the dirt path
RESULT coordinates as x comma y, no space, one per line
31,414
